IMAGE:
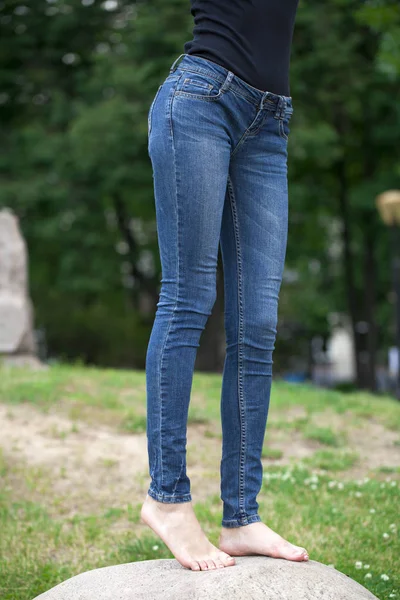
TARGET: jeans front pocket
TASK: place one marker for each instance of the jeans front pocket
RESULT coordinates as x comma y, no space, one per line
198,86
284,128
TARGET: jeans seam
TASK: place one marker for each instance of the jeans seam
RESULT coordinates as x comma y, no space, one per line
178,478
151,109
240,349
175,305
248,133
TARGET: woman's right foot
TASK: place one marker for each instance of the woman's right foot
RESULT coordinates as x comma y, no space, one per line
177,525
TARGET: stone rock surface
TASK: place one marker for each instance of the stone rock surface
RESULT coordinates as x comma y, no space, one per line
16,311
251,578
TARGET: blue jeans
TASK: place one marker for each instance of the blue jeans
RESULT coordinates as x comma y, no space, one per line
218,148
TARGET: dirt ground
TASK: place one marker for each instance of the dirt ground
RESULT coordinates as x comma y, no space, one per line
89,467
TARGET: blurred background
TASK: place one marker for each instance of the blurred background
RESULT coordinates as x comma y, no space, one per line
77,78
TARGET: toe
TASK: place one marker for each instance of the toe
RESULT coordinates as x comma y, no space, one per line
299,553
194,565
210,563
218,563
203,565
226,559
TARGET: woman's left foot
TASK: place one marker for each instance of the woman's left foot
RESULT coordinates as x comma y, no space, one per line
257,538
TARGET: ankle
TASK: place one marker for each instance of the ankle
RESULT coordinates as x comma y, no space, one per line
169,506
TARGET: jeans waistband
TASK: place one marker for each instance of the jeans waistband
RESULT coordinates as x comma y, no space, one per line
229,79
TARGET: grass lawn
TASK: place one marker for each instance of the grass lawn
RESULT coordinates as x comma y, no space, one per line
73,475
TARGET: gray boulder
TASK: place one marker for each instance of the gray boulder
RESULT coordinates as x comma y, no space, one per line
16,311
251,578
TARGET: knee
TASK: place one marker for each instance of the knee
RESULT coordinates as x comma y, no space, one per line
199,300
192,299
263,326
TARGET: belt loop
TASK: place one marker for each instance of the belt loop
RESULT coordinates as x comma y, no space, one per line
227,81
263,99
281,108
173,67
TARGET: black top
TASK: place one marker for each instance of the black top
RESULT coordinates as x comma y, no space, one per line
251,38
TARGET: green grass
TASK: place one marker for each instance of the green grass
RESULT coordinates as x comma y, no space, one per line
324,435
346,520
332,460
340,523
134,423
114,393
272,453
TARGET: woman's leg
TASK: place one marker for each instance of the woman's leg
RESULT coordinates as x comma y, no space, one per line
253,245
190,159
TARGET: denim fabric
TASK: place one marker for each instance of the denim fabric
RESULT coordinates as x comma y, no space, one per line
218,148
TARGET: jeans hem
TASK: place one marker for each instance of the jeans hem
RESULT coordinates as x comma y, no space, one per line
169,498
241,521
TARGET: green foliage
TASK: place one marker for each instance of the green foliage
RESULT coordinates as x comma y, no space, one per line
77,81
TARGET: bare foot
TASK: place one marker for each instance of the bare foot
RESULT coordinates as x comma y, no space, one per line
177,525
257,538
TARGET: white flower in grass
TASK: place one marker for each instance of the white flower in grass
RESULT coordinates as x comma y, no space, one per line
340,485
366,479
366,566
385,536
372,511
368,576
358,564
392,526
358,494
385,577
331,565
313,486
332,484
392,595
382,485
155,547
393,484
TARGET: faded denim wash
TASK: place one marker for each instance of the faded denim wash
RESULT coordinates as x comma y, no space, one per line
218,149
